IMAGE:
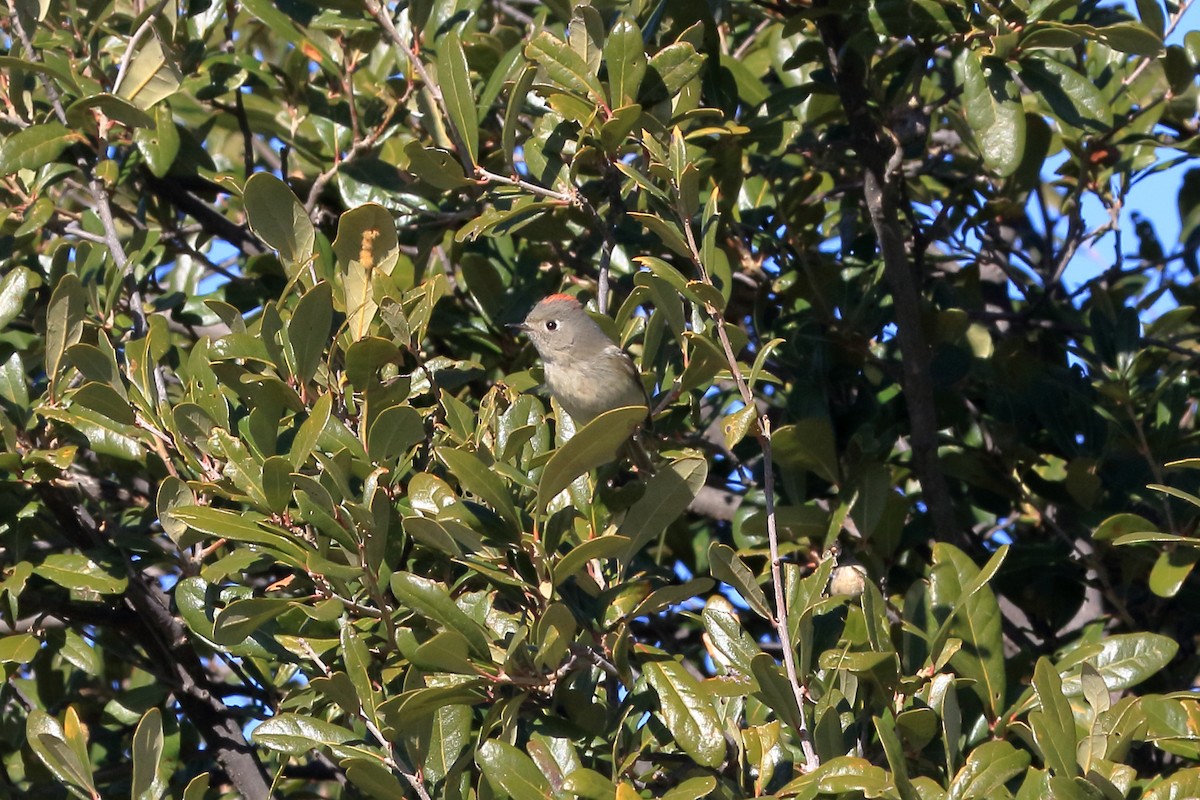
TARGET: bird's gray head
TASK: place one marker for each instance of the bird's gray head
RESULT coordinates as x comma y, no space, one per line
561,329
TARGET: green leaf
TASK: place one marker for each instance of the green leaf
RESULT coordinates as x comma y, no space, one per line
57,745
80,113
1123,660
668,494
967,609
35,146
310,431
625,57
296,734
672,68
242,618
807,444
436,167
989,767
14,290
370,776
64,323
393,431
244,527
77,571
456,91
367,234
992,103
159,145
588,783
685,708
1121,524
1131,37
308,331
668,233
432,600
479,479
19,649
885,727
151,76
276,217
1053,724
512,772
149,768
14,386
1072,97
607,546
728,568
104,400
1172,568
597,443
563,66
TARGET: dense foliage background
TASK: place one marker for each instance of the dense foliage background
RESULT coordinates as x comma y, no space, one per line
282,513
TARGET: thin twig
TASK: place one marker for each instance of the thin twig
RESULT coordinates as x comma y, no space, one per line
379,11
390,759
763,434
134,40
487,176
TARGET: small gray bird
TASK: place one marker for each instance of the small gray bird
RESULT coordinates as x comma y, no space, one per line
586,372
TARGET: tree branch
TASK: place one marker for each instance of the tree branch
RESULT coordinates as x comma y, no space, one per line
879,155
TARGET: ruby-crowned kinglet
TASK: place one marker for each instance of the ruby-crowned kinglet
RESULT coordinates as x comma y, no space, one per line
586,372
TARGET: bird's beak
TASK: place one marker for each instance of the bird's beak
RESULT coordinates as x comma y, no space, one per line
519,327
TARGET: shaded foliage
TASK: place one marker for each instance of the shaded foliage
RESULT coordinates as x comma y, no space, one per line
282,512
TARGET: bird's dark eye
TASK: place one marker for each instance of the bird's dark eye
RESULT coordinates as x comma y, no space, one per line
551,325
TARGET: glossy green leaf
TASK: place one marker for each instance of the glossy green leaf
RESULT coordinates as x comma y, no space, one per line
242,618
295,734
1069,95
807,444
35,146
968,610
104,400
479,479
625,57
431,599
1123,660
989,767
151,76
1131,37
159,145
244,527
728,568
57,745
563,65
19,648
149,769
14,386
992,102
456,90
308,330
78,571
609,546
686,709
1053,724
393,431
672,68
14,290
372,777
64,322
510,771
668,494
595,444
276,217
